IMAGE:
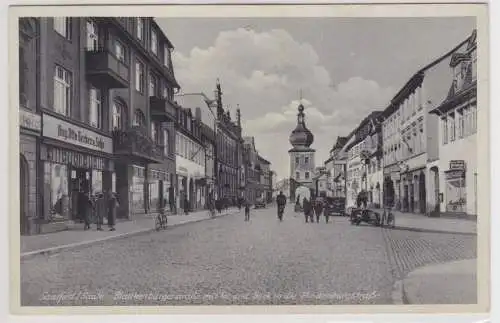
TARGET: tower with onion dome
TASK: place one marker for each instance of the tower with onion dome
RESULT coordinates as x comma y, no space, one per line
302,161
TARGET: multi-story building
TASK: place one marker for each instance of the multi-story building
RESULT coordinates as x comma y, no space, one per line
229,151
321,181
335,165
252,170
104,91
30,125
202,106
454,178
361,148
410,135
301,157
190,160
266,179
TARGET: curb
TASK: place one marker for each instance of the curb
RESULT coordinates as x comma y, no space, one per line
398,293
72,246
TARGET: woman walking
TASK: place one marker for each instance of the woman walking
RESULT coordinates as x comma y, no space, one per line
318,208
112,207
306,205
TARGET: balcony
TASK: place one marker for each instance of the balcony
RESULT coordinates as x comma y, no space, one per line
161,109
136,145
105,70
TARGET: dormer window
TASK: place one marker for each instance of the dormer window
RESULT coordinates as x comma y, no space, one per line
154,42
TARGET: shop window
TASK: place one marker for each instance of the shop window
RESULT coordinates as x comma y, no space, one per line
138,189
113,182
56,198
297,175
451,125
62,91
154,192
96,182
456,200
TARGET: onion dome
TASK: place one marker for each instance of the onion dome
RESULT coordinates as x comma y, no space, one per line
301,137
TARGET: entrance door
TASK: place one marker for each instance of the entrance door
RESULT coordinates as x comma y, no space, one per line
23,195
422,193
80,185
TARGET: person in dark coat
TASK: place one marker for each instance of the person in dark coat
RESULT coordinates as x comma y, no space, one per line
247,211
306,205
100,210
86,207
112,208
318,208
186,206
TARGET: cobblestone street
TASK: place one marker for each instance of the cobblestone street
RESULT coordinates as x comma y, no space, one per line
229,261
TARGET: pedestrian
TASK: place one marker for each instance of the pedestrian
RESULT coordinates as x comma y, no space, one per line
306,206
100,209
186,206
86,207
318,208
112,208
247,211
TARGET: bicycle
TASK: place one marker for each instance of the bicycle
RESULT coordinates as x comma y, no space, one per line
161,221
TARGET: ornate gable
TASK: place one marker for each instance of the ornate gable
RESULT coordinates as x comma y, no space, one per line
472,40
457,58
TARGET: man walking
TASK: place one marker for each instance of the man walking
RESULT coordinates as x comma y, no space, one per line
318,208
247,211
281,203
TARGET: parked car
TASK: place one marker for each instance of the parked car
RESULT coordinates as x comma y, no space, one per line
335,206
260,203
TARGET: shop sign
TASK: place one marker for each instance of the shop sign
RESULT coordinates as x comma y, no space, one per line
70,133
30,120
454,174
457,164
76,159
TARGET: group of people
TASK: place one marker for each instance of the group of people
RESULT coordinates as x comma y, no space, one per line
312,207
97,207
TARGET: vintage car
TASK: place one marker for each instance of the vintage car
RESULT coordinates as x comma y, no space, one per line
335,206
260,203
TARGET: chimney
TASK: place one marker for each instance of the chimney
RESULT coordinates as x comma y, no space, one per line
197,114
238,116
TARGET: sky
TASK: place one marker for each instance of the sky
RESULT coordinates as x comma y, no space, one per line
345,68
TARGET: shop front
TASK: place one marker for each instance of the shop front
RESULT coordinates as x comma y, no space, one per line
456,189
74,161
414,191
191,184
392,186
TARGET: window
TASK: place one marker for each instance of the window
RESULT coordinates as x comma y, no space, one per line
95,110
119,50
451,121
297,160
297,175
116,120
444,125
139,119
473,113
306,160
92,36
166,56
154,42
140,28
139,76
62,25
154,132
307,175
56,189
62,91
152,85
461,123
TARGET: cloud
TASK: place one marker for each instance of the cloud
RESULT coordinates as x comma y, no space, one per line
264,72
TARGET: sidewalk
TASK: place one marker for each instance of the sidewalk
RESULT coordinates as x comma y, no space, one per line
420,222
55,242
448,283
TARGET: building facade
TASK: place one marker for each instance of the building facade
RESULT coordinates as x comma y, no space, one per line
360,149
190,160
455,176
302,156
252,170
410,136
30,125
336,167
102,89
266,176
229,152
